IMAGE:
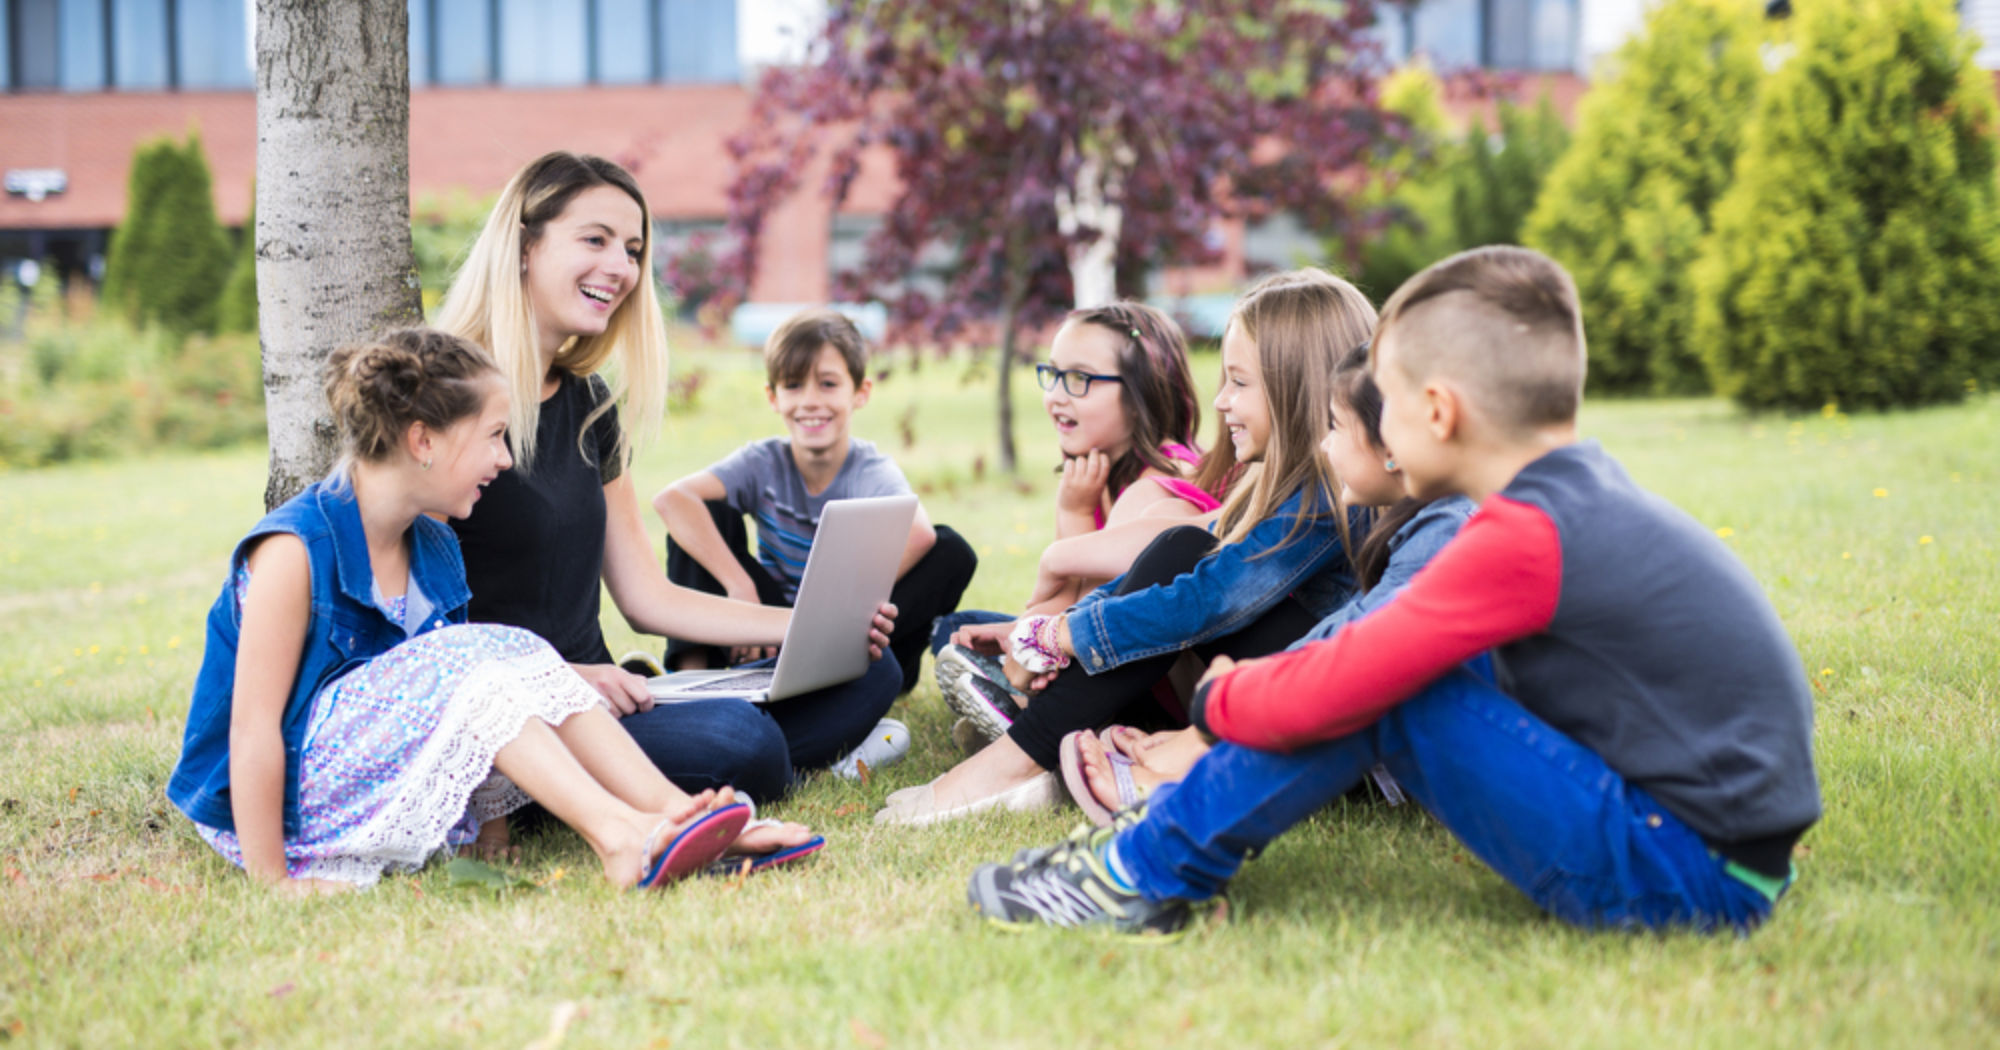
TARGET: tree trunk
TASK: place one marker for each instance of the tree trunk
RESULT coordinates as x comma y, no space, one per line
1089,204
334,262
1009,325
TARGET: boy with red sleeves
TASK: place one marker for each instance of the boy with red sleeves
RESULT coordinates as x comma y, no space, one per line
1639,753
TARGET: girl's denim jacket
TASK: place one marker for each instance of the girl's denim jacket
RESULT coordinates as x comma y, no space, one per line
1224,593
1411,548
345,630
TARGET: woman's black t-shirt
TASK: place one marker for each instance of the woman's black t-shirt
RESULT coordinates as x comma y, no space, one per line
534,545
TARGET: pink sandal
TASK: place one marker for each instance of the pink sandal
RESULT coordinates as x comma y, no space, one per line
700,842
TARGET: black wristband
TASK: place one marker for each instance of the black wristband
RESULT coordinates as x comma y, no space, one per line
1198,711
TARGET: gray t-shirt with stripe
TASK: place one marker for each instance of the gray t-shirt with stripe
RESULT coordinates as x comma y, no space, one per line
762,479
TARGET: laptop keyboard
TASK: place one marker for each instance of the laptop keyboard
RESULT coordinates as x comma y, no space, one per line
747,682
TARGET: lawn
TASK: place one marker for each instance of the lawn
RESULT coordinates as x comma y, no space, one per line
1369,927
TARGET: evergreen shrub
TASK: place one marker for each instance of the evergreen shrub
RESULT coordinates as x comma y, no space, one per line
169,258
1856,258
1626,208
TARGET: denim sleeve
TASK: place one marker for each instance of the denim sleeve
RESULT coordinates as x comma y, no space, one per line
1224,593
1422,537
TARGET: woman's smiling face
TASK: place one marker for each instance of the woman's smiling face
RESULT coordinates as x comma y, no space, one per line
584,265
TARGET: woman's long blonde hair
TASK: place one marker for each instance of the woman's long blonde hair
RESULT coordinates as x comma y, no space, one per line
1302,322
488,304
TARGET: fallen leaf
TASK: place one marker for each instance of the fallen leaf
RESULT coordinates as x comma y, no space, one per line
477,874
861,767
867,1036
848,810
283,990
152,883
73,791
105,876
14,876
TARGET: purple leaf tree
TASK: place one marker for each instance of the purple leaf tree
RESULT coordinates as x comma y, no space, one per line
1052,152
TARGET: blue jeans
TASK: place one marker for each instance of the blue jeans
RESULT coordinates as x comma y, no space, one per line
1543,811
755,748
947,625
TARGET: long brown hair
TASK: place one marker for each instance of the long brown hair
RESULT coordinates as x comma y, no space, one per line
1303,322
1156,387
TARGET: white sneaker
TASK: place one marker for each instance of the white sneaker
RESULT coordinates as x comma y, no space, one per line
1044,791
886,745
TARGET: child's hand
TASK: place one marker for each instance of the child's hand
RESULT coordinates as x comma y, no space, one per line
879,631
1023,679
1223,665
743,654
987,638
1081,490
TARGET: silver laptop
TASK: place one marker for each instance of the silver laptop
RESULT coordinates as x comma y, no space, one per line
849,573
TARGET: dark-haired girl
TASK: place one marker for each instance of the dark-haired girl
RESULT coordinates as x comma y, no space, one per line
1114,769
347,720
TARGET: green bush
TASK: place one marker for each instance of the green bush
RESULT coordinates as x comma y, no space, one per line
1856,258
442,229
237,310
1626,208
170,257
1459,192
100,388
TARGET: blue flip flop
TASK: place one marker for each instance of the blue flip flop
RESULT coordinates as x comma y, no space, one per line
699,843
752,863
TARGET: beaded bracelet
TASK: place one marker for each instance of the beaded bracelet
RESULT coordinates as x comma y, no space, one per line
1033,645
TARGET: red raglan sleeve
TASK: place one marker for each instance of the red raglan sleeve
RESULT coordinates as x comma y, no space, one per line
1496,582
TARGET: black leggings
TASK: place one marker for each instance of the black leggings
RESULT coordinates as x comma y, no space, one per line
929,590
1077,700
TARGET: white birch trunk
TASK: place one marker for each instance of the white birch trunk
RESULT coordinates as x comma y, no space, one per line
1093,265
334,263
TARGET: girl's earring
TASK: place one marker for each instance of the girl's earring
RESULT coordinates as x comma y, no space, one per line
426,464
1389,464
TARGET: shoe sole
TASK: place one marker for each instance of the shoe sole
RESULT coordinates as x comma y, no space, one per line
964,697
1095,929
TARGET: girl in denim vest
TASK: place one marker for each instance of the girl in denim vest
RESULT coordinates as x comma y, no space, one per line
348,721
1272,564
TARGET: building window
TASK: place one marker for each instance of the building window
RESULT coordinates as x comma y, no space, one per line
141,45
543,42
461,39
1530,34
698,41
212,44
624,32
33,29
83,46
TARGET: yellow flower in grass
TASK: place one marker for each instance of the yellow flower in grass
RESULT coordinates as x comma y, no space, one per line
1846,555
1829,410
174,642
1826,672
1725,532
1881,493
1923,541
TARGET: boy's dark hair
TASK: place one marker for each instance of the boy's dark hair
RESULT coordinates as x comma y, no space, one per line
790,352
1500,321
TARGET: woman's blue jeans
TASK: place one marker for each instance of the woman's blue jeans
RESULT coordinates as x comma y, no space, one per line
1543,811
755,748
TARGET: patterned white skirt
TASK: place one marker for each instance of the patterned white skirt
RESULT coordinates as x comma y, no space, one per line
397,763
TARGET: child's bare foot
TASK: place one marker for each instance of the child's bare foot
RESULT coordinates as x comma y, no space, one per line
769,838
1155,759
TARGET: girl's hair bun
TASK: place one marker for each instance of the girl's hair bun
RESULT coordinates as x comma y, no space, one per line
411,375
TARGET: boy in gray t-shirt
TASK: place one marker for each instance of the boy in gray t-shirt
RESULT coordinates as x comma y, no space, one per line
815,377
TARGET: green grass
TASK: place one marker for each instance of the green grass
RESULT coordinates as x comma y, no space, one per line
1369,927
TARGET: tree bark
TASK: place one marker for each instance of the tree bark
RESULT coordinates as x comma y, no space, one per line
1009,325
334,261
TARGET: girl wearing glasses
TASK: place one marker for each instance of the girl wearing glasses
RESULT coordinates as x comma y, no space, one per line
1118,389
1270,566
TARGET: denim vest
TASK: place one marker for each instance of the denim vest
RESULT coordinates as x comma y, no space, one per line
344,631
1226,591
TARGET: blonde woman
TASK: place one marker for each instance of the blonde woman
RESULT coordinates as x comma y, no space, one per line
1273,566
558,286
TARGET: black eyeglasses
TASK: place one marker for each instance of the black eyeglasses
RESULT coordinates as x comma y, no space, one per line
1074,383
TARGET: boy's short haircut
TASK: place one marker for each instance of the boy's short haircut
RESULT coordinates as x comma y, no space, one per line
1501,321
790,352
